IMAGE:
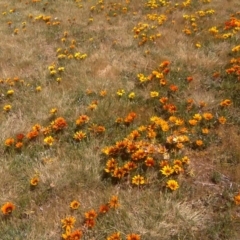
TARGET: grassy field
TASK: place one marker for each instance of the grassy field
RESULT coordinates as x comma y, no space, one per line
120,119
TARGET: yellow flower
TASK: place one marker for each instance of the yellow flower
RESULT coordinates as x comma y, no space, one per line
7,108
48,140
38,89
10,92
167,170
53,111
154,94
172,184
138,180
131,95
68,222
74,205
120,92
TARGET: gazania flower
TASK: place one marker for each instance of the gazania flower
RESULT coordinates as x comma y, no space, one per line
199,143
114,236
131,95
189,79
237,199
89,223
68,222
34,181
172,184
120,92
103,93
9,142
53,111
226,103
207,116
74,205
76,235
32,134
205,131
133,237
138,180
20,136
113,203
38,89
167,170
222,120
10,92
7,208
48,140
18,145
149,162
59,124
7,108
103,208
91,214
79,135
173,88
154,94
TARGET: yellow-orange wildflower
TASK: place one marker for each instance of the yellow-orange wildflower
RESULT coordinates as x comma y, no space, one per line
172,184
74,205
7,208
138,180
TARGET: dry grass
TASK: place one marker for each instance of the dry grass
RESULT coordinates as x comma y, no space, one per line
203,206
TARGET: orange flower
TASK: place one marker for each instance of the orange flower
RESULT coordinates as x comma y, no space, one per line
130,117
173,88
76,235
113,203
9,142
82,119
90,223
34,181
7,208
199,143
103,208
114,236
20,136
149,162
222,120
133,237
189,79
91,214
68,222
207,116
237,199
59,124
74,205
18,145
226,103
33,134
78,136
